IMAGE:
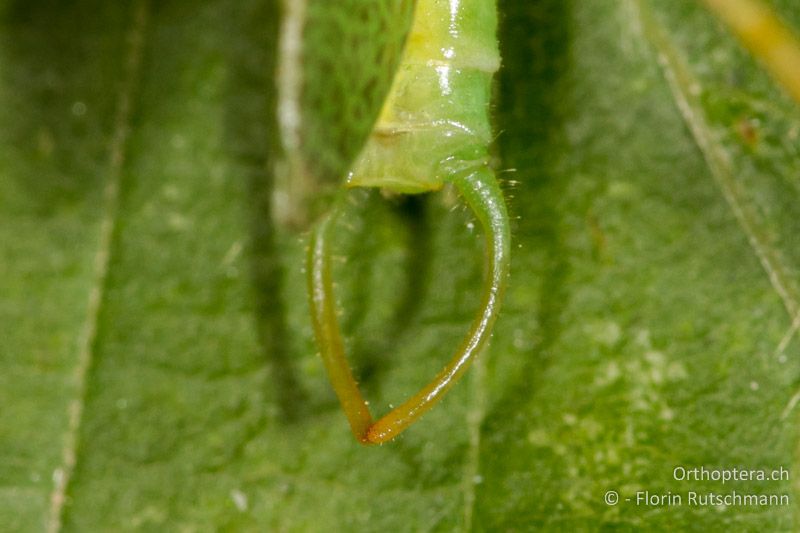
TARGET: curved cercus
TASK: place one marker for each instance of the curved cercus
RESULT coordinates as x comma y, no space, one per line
482,194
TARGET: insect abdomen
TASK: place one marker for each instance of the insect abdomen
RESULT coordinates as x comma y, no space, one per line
437,108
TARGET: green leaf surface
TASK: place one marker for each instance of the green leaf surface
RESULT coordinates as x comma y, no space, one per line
157,369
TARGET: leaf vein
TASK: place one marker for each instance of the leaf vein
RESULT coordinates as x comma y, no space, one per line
475,416
88,334
682,84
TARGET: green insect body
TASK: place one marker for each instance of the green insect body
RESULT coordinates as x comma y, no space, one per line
436,115
433,129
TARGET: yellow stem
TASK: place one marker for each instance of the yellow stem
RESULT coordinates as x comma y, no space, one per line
766,36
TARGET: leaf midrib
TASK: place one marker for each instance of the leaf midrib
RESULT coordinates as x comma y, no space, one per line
110,208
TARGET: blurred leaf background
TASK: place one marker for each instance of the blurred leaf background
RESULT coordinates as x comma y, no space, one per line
157,370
